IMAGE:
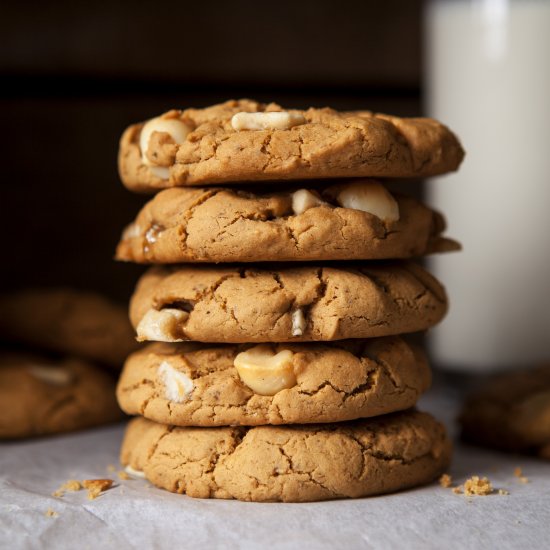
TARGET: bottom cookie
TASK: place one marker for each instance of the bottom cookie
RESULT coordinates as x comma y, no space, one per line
290,463
39,396
511,413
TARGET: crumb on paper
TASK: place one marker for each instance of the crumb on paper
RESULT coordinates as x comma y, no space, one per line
111,468
477,486
518,472
51,513
446,481
503,492
457,490
69,485
96,486
123,475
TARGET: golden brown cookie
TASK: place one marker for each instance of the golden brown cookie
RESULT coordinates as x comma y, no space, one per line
206,146
236,304
192,384
39,396
290,463
358,219
69,322
511,412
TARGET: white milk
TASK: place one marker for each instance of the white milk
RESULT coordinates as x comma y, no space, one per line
488,78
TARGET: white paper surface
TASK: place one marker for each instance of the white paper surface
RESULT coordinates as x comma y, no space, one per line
136,515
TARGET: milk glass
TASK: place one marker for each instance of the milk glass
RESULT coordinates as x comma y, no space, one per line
488,77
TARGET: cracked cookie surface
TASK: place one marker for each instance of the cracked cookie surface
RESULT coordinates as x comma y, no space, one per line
69,322
329,144
290,463
512,412
252,305
39,396
344,381
230,225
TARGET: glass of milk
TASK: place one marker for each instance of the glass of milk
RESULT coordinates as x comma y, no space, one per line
488,77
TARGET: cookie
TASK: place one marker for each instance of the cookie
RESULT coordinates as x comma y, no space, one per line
290,463
240,305
512,413
219,145
192,384
69,322
39,396
230,225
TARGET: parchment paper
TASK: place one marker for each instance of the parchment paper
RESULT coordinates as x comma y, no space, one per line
133,514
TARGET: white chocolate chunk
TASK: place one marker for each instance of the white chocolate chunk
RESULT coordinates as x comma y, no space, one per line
175,128
56,376
275,120
303,200
371,197
133,472
178,386
161,326
298,322
265,372
131,231
162,172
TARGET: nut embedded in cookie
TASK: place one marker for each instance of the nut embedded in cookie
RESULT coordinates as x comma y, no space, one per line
168,131
368,196
56,376
264,371
273,120
161,326
304,199
178,385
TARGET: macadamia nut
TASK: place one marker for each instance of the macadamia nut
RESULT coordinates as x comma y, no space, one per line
264,371
161,326
176,129
303,200
369,196
276,120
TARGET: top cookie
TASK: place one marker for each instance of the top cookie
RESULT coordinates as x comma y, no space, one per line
68,321
213,145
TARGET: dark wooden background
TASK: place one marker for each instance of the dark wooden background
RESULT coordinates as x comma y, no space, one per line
74,74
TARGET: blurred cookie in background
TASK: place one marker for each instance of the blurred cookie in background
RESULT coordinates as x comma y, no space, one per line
68,321
511,412
40,395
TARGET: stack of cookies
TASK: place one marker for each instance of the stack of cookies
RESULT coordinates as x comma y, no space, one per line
277,371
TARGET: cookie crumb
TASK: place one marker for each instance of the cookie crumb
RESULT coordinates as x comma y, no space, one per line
503,492
457,490
518,472
123,475
69,485
445,481
51,513
477,486
96,486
